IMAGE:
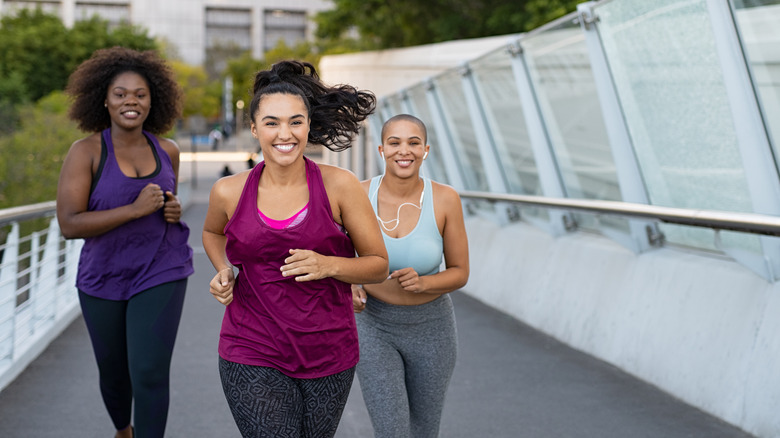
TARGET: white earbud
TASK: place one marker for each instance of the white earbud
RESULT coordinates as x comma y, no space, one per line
426,154
382,155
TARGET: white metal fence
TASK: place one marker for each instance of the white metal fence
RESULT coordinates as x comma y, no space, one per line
38,297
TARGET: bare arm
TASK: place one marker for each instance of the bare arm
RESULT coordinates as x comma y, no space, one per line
223,199
349,204
73,196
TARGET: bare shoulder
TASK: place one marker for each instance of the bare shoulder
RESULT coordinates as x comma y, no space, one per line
84,152
230,186
444,193
169,145
89,145
336,177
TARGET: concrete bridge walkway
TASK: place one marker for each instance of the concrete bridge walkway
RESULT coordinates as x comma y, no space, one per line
510,381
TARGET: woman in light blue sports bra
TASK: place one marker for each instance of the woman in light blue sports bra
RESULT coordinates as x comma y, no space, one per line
406,325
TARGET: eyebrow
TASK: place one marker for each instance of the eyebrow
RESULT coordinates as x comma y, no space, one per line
118,87
393,137
296,116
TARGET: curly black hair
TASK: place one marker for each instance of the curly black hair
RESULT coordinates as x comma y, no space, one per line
88,87
335,112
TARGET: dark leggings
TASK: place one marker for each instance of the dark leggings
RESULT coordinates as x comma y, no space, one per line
133,344
267,403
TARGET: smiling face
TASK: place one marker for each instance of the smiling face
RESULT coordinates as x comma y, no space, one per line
281,125
128,100
403,147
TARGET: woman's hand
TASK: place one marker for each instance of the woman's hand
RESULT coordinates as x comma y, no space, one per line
172,208
221,286
149,200
306,265
409,280
358,298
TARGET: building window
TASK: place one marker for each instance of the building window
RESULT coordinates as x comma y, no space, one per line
288,26
229,28
50,7
114,13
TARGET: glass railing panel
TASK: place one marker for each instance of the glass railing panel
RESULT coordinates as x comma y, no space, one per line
757,21
433,166
559,68
504,117
456,115
665,68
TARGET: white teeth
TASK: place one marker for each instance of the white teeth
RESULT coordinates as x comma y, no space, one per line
284,147
404,162
131,113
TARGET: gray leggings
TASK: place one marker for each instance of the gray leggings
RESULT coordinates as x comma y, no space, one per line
407,354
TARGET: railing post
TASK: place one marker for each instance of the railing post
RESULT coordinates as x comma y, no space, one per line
8,269
755,147
632,188
550,179
451,163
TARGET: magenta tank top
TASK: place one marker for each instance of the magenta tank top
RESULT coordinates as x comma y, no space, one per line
303,329
139,254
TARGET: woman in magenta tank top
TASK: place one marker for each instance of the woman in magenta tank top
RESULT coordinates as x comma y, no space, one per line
298,234
117,191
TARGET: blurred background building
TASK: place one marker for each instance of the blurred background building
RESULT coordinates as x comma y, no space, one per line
197,30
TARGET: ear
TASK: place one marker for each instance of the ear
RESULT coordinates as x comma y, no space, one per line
253,129
381,150
427,149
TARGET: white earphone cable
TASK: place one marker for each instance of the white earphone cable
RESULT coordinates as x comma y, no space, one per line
398,212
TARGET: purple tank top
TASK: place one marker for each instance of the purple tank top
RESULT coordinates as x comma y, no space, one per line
303,329
139,254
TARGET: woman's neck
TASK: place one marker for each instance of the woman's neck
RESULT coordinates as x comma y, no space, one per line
283,176
402,187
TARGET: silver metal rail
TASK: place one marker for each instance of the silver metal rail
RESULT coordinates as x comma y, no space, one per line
718,220
27,212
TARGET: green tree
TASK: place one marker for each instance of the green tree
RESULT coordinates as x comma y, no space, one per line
31,158
243,68
37,47
201,96
380,24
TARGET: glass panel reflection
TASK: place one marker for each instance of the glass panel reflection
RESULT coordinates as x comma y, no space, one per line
757,21
559,68
456,114
433,166
665,68
496,83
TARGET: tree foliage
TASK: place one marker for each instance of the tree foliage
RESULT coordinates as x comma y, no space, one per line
201,96
380,24
30,158
242,69
38,53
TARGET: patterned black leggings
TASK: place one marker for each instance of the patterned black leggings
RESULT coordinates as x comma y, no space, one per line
267,403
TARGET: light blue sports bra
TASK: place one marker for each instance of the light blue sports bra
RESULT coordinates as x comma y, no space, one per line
421,249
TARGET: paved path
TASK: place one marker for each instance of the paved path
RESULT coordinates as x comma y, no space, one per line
510,381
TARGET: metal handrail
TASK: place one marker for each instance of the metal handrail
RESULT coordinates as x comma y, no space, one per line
27,212
719,220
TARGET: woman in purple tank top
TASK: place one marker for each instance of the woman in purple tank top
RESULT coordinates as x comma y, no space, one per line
117,191
292,229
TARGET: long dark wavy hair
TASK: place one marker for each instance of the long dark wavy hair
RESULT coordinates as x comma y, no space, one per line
88,87
335,112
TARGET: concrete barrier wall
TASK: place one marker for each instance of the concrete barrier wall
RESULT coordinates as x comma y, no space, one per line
700,327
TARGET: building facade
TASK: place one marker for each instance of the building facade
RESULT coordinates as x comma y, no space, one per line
196,28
